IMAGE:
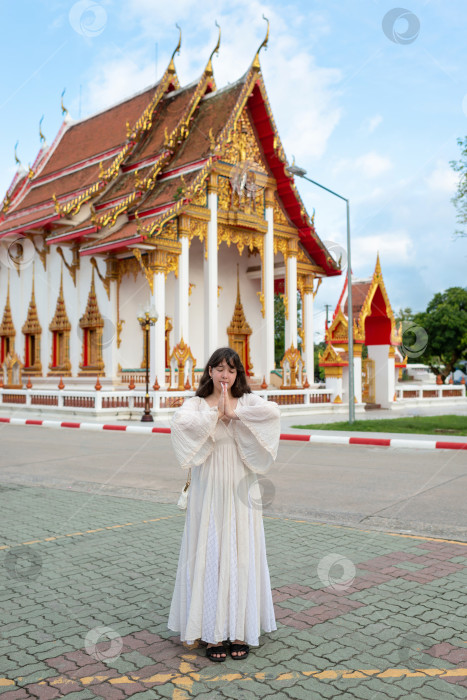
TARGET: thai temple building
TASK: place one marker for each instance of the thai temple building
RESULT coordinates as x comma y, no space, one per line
374,326
177,200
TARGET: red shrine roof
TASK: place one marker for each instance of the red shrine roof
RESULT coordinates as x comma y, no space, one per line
146,158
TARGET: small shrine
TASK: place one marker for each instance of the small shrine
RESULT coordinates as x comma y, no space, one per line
239,332
12,372
374,329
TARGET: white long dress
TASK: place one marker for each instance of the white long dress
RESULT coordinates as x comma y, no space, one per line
222,587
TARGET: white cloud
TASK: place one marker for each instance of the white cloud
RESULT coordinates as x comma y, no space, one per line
372,164
305,118
442,179
368,165
373,123
116,79
393,247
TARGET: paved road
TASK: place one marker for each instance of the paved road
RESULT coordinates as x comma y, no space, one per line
86,583
418,491
89,553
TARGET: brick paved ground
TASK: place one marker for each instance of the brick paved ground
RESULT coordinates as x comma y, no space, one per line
86,584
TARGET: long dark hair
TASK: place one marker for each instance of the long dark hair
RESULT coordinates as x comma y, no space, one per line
240,385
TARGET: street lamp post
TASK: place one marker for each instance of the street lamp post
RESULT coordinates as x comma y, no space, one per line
295,170
147,318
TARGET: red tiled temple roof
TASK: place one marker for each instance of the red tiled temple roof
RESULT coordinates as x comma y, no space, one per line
158,132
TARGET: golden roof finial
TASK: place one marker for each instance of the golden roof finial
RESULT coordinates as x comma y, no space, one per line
378,264
64,109
41,135
171,67
17,160
264,44
214,51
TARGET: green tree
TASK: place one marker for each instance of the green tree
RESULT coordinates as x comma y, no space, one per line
404,315
279,329
460,198
439,334
279,326
319,371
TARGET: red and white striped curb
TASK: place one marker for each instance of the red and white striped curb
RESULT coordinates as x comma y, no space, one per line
328,439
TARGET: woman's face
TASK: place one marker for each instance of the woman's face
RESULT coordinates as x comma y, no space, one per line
223,373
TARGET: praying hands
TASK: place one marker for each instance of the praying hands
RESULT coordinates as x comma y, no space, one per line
224,409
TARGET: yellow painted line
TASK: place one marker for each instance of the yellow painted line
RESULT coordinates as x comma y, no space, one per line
99,529
6,681
187,675
370,532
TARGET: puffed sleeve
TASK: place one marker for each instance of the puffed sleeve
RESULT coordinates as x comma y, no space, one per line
257,432
192,431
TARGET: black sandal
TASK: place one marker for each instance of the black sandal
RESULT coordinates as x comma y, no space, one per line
216,650
239,647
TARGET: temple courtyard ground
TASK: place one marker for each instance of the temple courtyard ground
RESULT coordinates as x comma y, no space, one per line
367,549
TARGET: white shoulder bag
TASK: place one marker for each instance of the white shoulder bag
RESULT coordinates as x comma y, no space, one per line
182,501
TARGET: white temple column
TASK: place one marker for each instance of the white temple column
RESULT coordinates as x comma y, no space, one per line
211,339
267,338
291,291
110,350
309,354
182,329
157,332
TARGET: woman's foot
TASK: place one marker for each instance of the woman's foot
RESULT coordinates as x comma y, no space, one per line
239,653
220,654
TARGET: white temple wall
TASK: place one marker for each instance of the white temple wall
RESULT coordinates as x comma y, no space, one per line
337,386
196,302
134,295
384,374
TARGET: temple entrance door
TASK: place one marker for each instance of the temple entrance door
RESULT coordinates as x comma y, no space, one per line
239,345
368,380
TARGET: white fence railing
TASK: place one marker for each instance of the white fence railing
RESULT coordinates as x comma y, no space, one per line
128,402
430,391
124,402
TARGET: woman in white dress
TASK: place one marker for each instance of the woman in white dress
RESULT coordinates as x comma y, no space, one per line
228,436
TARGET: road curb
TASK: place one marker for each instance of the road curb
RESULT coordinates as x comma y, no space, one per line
325,439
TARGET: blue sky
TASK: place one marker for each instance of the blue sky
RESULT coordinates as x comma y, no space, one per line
372,118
